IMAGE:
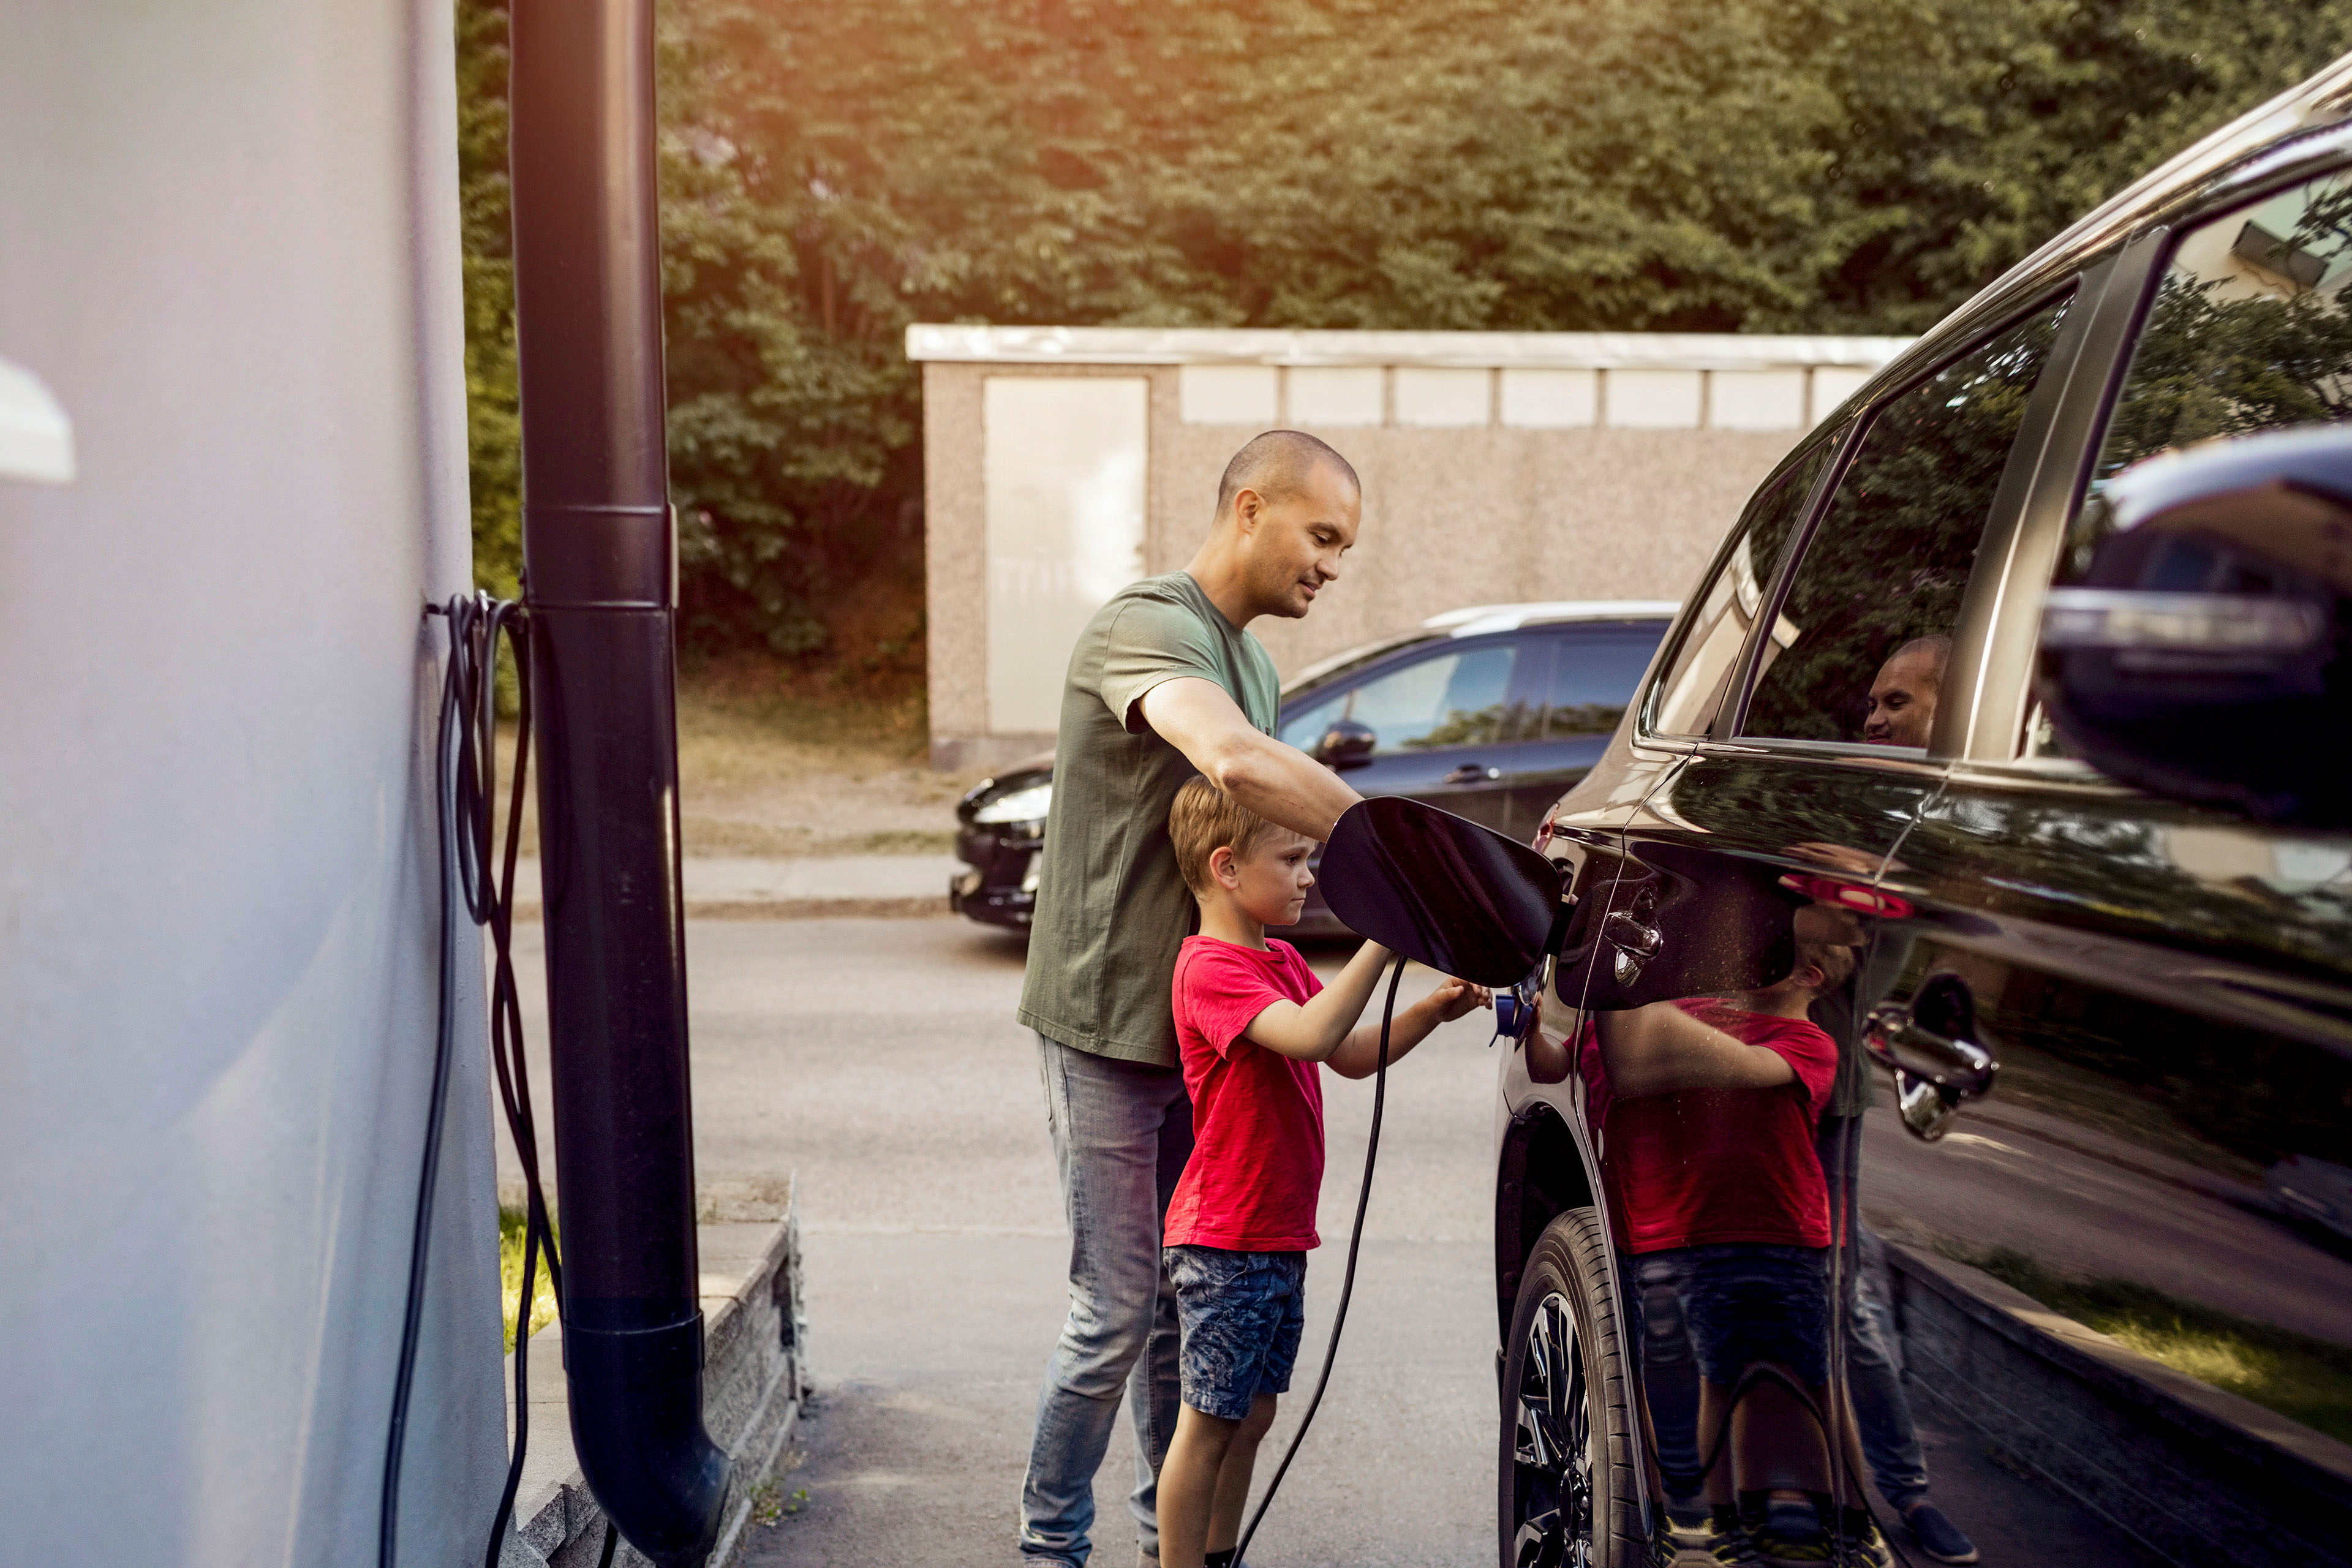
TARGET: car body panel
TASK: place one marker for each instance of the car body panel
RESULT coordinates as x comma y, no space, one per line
2163,991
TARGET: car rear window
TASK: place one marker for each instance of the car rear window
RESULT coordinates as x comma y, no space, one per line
1455,697
1593,677
1858,648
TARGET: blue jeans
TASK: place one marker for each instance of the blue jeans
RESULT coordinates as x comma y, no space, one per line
1122,1132
1882,1414
1748,1304
1242,1313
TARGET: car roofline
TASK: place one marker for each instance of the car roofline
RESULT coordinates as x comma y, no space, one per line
1478,619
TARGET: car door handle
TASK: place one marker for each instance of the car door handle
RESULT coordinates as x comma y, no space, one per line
1636,944
1472,772
1897,1040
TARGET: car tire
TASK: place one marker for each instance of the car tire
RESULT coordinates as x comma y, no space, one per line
1568,1494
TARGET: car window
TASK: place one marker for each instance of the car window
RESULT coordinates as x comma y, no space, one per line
1453,699
1685,699
1593,676
2250,329
1307,726
1858,651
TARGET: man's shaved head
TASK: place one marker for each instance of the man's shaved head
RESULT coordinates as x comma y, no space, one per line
1938,648
1902,699
1278,466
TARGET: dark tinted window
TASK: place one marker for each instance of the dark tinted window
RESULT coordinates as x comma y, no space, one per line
1685,699
1593,675
2250,331
1873,603
1451,698
1303,727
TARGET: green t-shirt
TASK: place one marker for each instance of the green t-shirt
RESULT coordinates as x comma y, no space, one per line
1111,909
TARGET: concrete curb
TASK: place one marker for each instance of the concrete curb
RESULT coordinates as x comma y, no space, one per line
754,1378
793,909
869,887
2194,1474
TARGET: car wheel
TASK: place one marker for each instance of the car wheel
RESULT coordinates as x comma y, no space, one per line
1568,1495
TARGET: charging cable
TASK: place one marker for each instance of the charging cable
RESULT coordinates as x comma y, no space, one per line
465,789
1348,1280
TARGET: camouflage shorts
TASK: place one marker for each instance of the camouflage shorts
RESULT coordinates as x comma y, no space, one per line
1242,1313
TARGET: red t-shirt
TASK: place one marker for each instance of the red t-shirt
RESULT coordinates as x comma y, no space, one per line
1257,1115
1698,1167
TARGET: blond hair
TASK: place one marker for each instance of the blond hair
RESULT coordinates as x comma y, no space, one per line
1204,819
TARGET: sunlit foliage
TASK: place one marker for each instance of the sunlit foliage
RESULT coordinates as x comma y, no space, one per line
832,173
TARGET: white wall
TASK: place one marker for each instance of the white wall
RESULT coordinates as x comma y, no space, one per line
228,244
1065,464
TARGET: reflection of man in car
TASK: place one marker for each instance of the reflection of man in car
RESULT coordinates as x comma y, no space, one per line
1707,1108
1903,698
1165,683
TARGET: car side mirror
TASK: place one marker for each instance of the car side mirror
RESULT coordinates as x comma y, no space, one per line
1346,745
2200,656
1459,898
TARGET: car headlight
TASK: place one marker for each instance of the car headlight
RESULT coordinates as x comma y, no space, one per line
1028,804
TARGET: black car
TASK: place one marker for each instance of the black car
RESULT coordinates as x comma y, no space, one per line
2023,677
1488,712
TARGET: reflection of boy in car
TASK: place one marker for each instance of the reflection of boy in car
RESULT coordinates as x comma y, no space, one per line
1707,1109
1251,1023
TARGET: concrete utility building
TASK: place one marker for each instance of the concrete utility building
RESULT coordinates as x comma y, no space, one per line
1062,462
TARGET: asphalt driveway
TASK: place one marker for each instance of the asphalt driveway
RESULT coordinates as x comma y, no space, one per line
880,1061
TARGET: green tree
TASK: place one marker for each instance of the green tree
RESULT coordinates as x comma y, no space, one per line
831,173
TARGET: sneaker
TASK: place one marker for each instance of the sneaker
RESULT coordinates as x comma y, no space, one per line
1938,1537
1787,1546
1861,1546
1733,1546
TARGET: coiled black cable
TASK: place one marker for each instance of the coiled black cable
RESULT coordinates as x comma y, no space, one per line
465,791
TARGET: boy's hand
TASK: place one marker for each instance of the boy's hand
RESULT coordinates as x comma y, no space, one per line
1452,999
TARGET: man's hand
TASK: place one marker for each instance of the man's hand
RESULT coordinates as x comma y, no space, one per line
1281,783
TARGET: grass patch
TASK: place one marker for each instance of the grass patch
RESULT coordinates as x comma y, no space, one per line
778,762
542,1302
2304,1379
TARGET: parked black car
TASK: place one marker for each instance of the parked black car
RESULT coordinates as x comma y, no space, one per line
2024,675
1488,712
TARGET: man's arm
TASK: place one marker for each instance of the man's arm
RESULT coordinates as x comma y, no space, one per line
1660,1049
1281,783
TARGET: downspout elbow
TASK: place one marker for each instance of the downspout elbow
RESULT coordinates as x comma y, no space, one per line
636,1428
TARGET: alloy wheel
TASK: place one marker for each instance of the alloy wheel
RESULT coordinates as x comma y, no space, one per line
1552,1454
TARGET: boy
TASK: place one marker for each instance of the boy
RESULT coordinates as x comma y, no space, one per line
1707,1109
1251,1023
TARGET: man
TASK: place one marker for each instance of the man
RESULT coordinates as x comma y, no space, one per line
1165,682
1902,712
1903,698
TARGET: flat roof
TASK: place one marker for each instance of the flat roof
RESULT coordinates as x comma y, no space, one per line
1277,346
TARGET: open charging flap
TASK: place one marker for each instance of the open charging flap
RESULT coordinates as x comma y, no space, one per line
1444,892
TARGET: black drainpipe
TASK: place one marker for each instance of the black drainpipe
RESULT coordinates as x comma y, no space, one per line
600,581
